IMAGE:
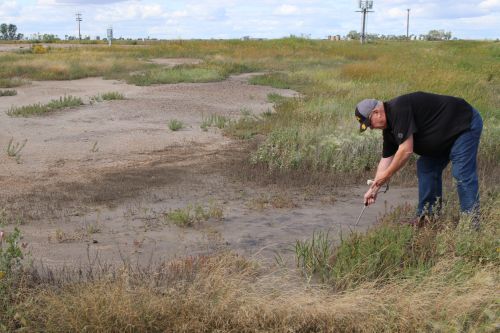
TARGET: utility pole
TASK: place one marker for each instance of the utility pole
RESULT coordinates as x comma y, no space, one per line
110,35
364,6
408,24
79,19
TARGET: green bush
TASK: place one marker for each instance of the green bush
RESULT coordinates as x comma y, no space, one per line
194,214
175,125
8,92
10,254
112,95
11,82
215,120
10,264
316,148
38,109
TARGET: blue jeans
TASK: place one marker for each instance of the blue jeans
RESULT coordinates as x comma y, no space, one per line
463,156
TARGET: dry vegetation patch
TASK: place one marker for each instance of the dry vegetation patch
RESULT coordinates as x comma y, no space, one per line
228,293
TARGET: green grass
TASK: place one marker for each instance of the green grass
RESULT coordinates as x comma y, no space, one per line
11,82
10,92
395,250
275,98
275,80
194,214
108,96
175,125
208,72
214,120
14,149
112,95
40,109
176,75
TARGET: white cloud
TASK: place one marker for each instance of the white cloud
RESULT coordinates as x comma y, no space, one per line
396,12
8,5
490,4
85,2
286,10
129,12
257,18
46,2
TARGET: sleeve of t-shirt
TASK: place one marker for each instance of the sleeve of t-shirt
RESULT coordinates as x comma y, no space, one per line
404,121
389,146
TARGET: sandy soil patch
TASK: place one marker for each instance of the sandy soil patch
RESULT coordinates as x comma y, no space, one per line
98,180
171,62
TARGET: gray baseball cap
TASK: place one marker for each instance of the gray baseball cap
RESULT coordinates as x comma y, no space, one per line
363,111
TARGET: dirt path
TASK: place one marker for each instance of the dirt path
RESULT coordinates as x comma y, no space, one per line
99,179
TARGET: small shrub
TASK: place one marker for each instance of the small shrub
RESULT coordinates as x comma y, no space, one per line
192,215
38,49
112,95
175,125
38,109
65,102
10,254
14,149
215,120
95,99
313,256
12,82
109,96
314,147
181,217
8,92
94,148
10,267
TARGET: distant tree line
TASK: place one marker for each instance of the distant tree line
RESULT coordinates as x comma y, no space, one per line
438,35
431,35
9,32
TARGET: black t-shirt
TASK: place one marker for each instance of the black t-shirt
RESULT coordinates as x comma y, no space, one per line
434,120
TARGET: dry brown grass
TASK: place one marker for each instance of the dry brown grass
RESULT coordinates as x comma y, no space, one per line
227,293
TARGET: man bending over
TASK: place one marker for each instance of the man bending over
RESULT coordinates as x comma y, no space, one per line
438,128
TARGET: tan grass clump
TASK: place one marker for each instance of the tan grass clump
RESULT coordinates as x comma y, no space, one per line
226,293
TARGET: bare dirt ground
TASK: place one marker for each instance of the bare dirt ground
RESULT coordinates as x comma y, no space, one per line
96,181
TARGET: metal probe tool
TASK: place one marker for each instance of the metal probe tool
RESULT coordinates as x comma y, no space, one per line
370,182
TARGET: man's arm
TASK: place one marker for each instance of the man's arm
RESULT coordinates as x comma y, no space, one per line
383,165
388,167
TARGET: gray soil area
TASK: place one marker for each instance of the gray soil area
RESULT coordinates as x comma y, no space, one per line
97,181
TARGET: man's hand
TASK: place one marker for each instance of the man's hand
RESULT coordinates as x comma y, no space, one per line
371,194
387,167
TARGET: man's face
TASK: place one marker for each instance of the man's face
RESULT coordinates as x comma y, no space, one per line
377,118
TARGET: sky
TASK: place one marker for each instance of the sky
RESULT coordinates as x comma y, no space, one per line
172,19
